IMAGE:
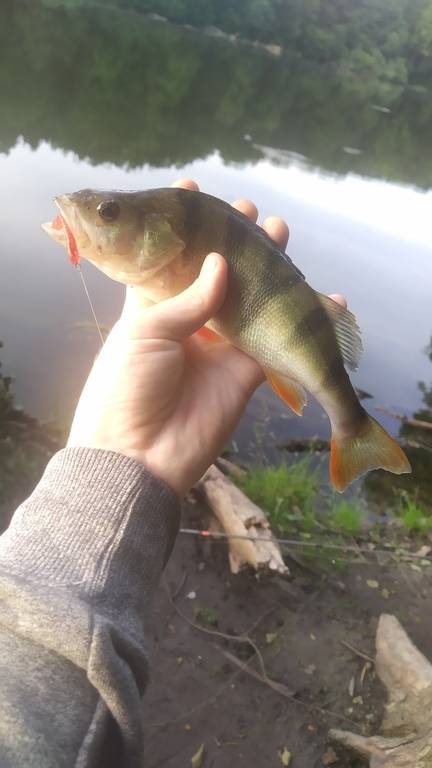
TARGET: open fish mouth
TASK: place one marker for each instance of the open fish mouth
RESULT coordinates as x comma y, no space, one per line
60,230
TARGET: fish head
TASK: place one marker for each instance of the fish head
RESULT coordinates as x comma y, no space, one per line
127,235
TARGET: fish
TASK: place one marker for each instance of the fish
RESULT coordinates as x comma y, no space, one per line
157,239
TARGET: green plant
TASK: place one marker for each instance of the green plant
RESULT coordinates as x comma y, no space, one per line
413,516
346,517
207,616
25,447
285,492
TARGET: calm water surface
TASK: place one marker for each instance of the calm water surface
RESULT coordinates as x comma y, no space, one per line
118,102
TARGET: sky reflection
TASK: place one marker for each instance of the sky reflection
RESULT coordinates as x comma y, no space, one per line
368,239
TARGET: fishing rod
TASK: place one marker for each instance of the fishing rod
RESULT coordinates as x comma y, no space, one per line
298,543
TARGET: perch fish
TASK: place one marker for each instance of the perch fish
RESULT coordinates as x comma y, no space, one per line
158,239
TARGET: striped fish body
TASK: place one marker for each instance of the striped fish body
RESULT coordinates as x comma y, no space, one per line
270,311
158,240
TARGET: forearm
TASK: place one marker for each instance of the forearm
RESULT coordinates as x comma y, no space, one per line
78,567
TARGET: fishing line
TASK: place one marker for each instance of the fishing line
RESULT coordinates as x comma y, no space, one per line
297,543
80,272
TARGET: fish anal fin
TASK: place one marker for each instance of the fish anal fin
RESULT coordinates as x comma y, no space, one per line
370,448
289,390
346,330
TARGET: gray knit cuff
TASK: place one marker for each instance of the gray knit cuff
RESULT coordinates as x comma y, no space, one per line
98,522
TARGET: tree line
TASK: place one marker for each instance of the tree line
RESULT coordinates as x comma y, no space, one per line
392,38
116,87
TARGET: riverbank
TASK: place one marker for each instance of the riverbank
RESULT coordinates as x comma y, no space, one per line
313,630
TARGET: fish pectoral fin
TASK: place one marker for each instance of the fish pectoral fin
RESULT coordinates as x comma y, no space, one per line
209,335
346,330
289,390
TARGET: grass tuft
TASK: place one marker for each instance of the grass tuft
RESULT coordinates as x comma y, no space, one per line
285,492
414,517
346,517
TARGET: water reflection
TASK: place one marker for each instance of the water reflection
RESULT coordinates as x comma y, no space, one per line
115,87
41,298
112,100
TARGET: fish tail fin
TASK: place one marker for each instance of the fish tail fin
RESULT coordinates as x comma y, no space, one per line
370,448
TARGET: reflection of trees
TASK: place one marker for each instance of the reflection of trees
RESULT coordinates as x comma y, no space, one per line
375,36
114,87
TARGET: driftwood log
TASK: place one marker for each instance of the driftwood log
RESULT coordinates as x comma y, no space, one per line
239,517
407,726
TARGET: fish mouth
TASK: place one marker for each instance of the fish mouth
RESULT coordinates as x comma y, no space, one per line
60,229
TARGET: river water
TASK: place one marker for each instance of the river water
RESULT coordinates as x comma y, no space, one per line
111,100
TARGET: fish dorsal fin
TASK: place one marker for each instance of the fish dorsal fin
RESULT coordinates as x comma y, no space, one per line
346,330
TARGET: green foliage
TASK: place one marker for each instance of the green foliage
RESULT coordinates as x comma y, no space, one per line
346,517
207,616
24,450
423,31
320,30
414,517
115,87
285,492
289,494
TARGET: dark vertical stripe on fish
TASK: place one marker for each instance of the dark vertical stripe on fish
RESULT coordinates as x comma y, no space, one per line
332,373
236,237
192,204
309,325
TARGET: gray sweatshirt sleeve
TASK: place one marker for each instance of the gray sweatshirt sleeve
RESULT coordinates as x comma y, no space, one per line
78,568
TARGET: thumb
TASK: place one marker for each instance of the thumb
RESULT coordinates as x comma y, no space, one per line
183,315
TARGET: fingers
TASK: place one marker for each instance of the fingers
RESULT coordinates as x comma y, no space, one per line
247,207
186,184
278,230
339,299
175,319
275,227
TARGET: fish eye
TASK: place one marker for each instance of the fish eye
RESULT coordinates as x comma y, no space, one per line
108,210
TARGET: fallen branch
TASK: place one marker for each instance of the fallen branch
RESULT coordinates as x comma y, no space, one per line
356,651
404,419
407,724
229,468
304,444
240,517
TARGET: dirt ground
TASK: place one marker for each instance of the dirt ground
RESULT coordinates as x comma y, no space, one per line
198,696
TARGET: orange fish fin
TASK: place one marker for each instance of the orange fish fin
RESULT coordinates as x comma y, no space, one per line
290,391
371,448
209,335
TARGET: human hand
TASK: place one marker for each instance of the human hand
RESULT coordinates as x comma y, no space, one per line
160,393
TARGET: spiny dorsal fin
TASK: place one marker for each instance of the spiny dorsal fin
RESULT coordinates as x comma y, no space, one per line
346,329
